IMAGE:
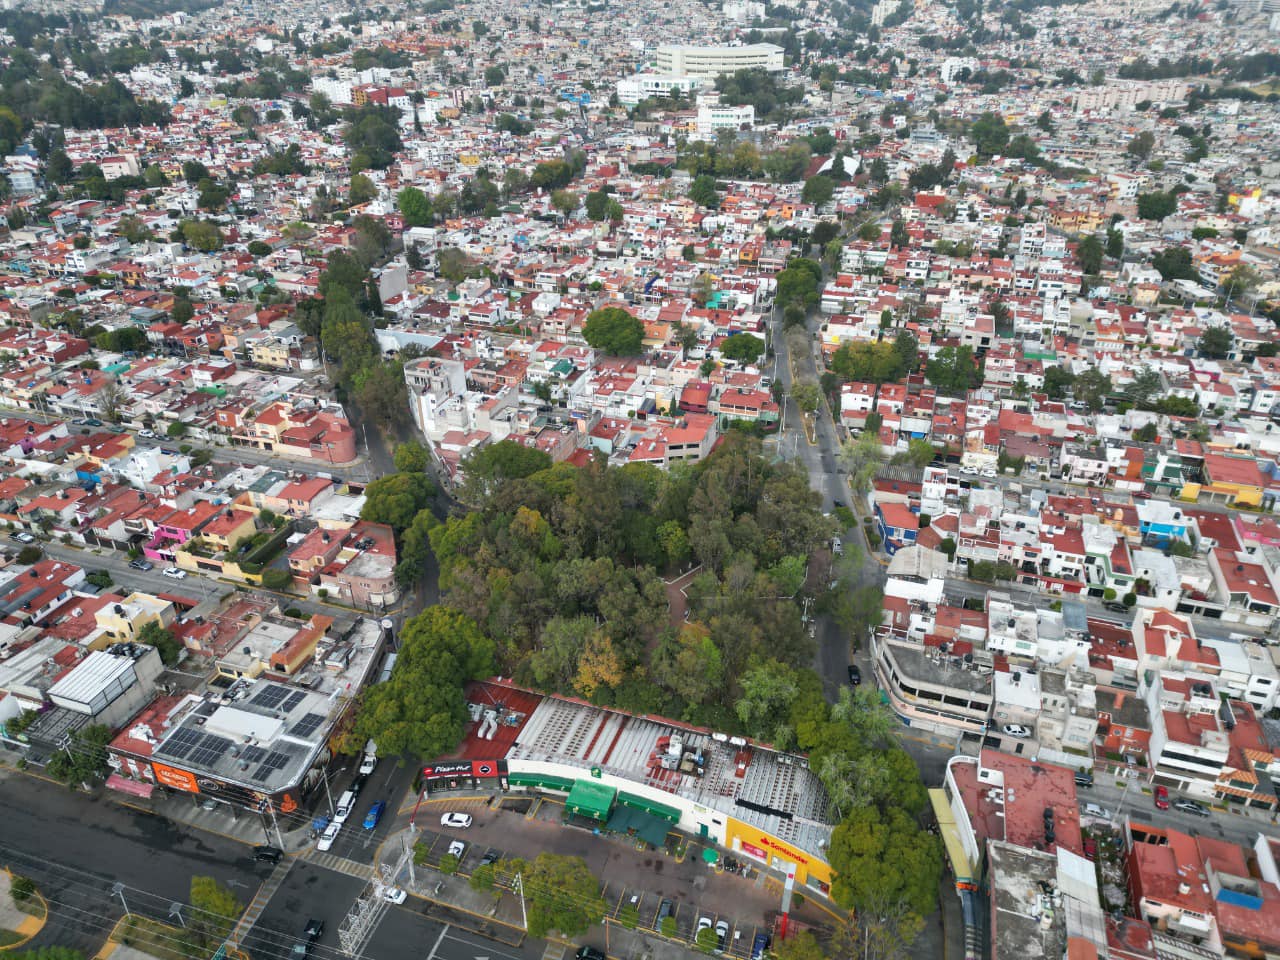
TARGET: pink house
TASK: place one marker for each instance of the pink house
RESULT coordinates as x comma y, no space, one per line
177,528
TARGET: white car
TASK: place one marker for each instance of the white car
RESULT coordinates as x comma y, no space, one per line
990,474
457,848
1015,730
147,434
367,764
23,537
969,471
394,895
173,573
330,834
458,820
704,923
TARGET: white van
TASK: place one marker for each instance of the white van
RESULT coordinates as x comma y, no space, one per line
346,803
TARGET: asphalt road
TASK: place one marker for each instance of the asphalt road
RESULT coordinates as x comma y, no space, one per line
390,783
312,892
76,847
1140,807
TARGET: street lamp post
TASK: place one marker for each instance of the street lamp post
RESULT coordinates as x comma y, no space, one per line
117,890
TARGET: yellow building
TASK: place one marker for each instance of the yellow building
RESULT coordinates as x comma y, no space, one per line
125,620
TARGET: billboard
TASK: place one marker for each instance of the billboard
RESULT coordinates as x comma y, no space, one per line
174,778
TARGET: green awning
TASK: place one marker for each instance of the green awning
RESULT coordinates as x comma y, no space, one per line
544,780
630,821
590,799
670,814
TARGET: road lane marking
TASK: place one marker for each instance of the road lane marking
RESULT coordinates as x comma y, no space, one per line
476,946
432,954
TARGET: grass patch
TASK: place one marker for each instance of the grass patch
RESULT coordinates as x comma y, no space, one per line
33,907
155,938
9,938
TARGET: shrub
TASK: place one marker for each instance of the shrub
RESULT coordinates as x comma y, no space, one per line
668,926
277,579
448,864
295,613
21,889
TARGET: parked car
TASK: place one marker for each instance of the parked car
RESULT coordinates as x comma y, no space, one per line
1115,607
454,819
367,763
759,945
93,422
330,834
1095,811
855,674
665,909
1016,730
489,857
457,848
375,814
310,934
394,895
1161,797
1190,806
722,935
147,434
173,573
266,854
143,565
1091,848
1084,779
590,953
23,537
989,474
1141,495
704,923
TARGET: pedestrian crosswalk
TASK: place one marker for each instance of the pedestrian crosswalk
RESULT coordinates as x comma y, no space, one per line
259,903
331,861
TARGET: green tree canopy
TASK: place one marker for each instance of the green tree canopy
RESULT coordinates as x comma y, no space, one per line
560,893
214,911
953,370
614,331
1215,342
415,207
742,347
155,635
396,498
702,191
420,710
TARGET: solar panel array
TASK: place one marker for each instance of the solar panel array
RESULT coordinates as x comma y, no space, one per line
295,698
202,749
209,749
308,725
270,697
253,754
275,761
182,743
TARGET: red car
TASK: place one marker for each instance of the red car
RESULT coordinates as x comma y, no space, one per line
1162,798
1091,848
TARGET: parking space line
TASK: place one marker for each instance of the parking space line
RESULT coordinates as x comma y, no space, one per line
439,940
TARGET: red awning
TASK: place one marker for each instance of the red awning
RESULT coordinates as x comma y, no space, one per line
125,785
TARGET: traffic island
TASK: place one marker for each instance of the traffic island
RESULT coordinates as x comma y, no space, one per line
23,910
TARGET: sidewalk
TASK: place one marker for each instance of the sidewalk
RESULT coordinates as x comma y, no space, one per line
223,820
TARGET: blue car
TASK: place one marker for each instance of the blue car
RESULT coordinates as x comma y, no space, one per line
374,815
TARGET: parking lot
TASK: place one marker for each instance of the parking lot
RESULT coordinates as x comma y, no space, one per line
636,879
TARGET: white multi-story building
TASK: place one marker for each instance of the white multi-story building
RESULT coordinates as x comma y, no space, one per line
338,91
714,115
1125,95
742,11
698,61
642,86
